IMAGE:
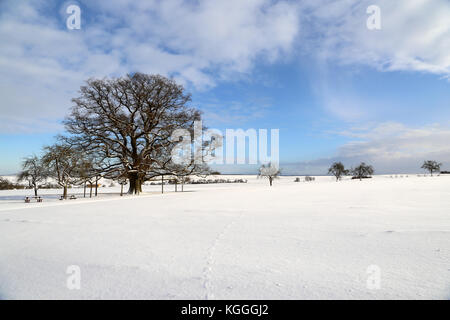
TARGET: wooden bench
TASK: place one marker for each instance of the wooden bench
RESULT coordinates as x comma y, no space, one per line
72,197
38,199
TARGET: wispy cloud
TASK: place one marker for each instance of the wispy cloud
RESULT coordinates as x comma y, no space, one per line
391,147
389,141
235,112
414,34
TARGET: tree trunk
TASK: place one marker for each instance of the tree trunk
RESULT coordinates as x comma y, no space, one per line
65,192
96,186
35,191
270,181
162,184
135,183
90,191
84,190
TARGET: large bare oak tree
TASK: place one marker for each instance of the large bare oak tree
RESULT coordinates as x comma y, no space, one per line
128,122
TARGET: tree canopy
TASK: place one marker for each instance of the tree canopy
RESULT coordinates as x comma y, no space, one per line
362,171
338,170
432,166
270,171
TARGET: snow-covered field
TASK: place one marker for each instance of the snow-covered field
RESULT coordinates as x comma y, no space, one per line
315,240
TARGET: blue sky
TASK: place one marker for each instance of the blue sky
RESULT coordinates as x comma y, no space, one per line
336,90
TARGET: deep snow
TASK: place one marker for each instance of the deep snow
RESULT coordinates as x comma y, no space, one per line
302,240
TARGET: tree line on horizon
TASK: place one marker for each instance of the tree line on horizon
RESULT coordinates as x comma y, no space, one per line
363,170
338,170
35,171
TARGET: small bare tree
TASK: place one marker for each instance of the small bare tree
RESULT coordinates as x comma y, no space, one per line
87,174
62,161
362,171
432,166
270,171
34,172
338,170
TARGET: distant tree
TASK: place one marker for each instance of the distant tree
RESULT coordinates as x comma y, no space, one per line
338,170
362,171
270,171
432,166
5,184
34,172
63,162
95,171
87,174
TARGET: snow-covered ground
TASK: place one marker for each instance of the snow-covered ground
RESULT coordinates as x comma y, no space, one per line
314,240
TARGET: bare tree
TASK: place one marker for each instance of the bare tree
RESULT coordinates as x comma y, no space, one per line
362,171
87,174
63,162
33,172
128,122
5,184
432,166
270,171
338,170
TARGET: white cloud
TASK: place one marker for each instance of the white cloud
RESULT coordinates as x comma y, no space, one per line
42,64
390,141
235,113
414,35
